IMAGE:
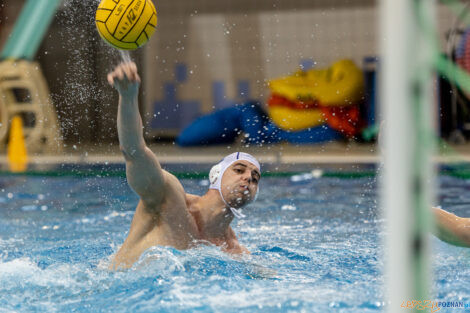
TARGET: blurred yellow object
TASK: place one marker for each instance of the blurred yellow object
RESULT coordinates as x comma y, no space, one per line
342,84
294,119
24,92
17,156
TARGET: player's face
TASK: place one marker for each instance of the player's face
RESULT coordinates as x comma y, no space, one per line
240,183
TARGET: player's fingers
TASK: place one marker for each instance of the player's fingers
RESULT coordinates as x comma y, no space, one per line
131,71
119,73
128,71
111,79
137,77
134,70
133,66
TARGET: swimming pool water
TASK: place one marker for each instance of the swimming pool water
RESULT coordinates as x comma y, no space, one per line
315,243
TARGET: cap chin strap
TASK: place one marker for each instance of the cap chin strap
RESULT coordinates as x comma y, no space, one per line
213,176
238,213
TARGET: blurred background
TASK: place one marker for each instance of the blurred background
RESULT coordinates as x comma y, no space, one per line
216,54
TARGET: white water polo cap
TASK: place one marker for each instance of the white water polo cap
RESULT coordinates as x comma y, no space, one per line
218,170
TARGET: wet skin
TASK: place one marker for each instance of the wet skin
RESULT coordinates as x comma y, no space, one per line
452,228
166,215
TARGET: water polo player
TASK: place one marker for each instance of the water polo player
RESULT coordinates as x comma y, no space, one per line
165,214
451,228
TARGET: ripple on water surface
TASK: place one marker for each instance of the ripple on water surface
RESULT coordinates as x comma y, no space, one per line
317,251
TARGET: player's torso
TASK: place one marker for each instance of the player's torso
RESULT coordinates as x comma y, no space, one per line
171,225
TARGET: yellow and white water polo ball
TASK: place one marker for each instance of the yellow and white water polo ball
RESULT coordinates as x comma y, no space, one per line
126,24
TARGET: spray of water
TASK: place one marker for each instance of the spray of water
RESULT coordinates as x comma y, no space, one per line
125,56
85,103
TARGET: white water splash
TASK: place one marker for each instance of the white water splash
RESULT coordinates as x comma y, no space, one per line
125,56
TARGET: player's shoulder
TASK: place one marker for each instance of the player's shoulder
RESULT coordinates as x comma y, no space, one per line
172,182
191,199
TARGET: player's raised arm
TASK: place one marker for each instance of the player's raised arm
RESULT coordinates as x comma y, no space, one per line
451,228
144,173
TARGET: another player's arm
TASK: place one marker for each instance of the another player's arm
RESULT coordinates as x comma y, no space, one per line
451,228
143,171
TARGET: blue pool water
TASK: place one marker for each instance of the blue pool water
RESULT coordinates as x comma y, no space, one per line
316,247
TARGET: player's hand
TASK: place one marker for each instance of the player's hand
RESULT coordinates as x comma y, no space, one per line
125,79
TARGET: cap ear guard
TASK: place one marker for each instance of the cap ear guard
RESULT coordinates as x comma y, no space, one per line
214,173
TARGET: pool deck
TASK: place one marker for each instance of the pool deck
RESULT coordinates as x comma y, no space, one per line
168,153
280,154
